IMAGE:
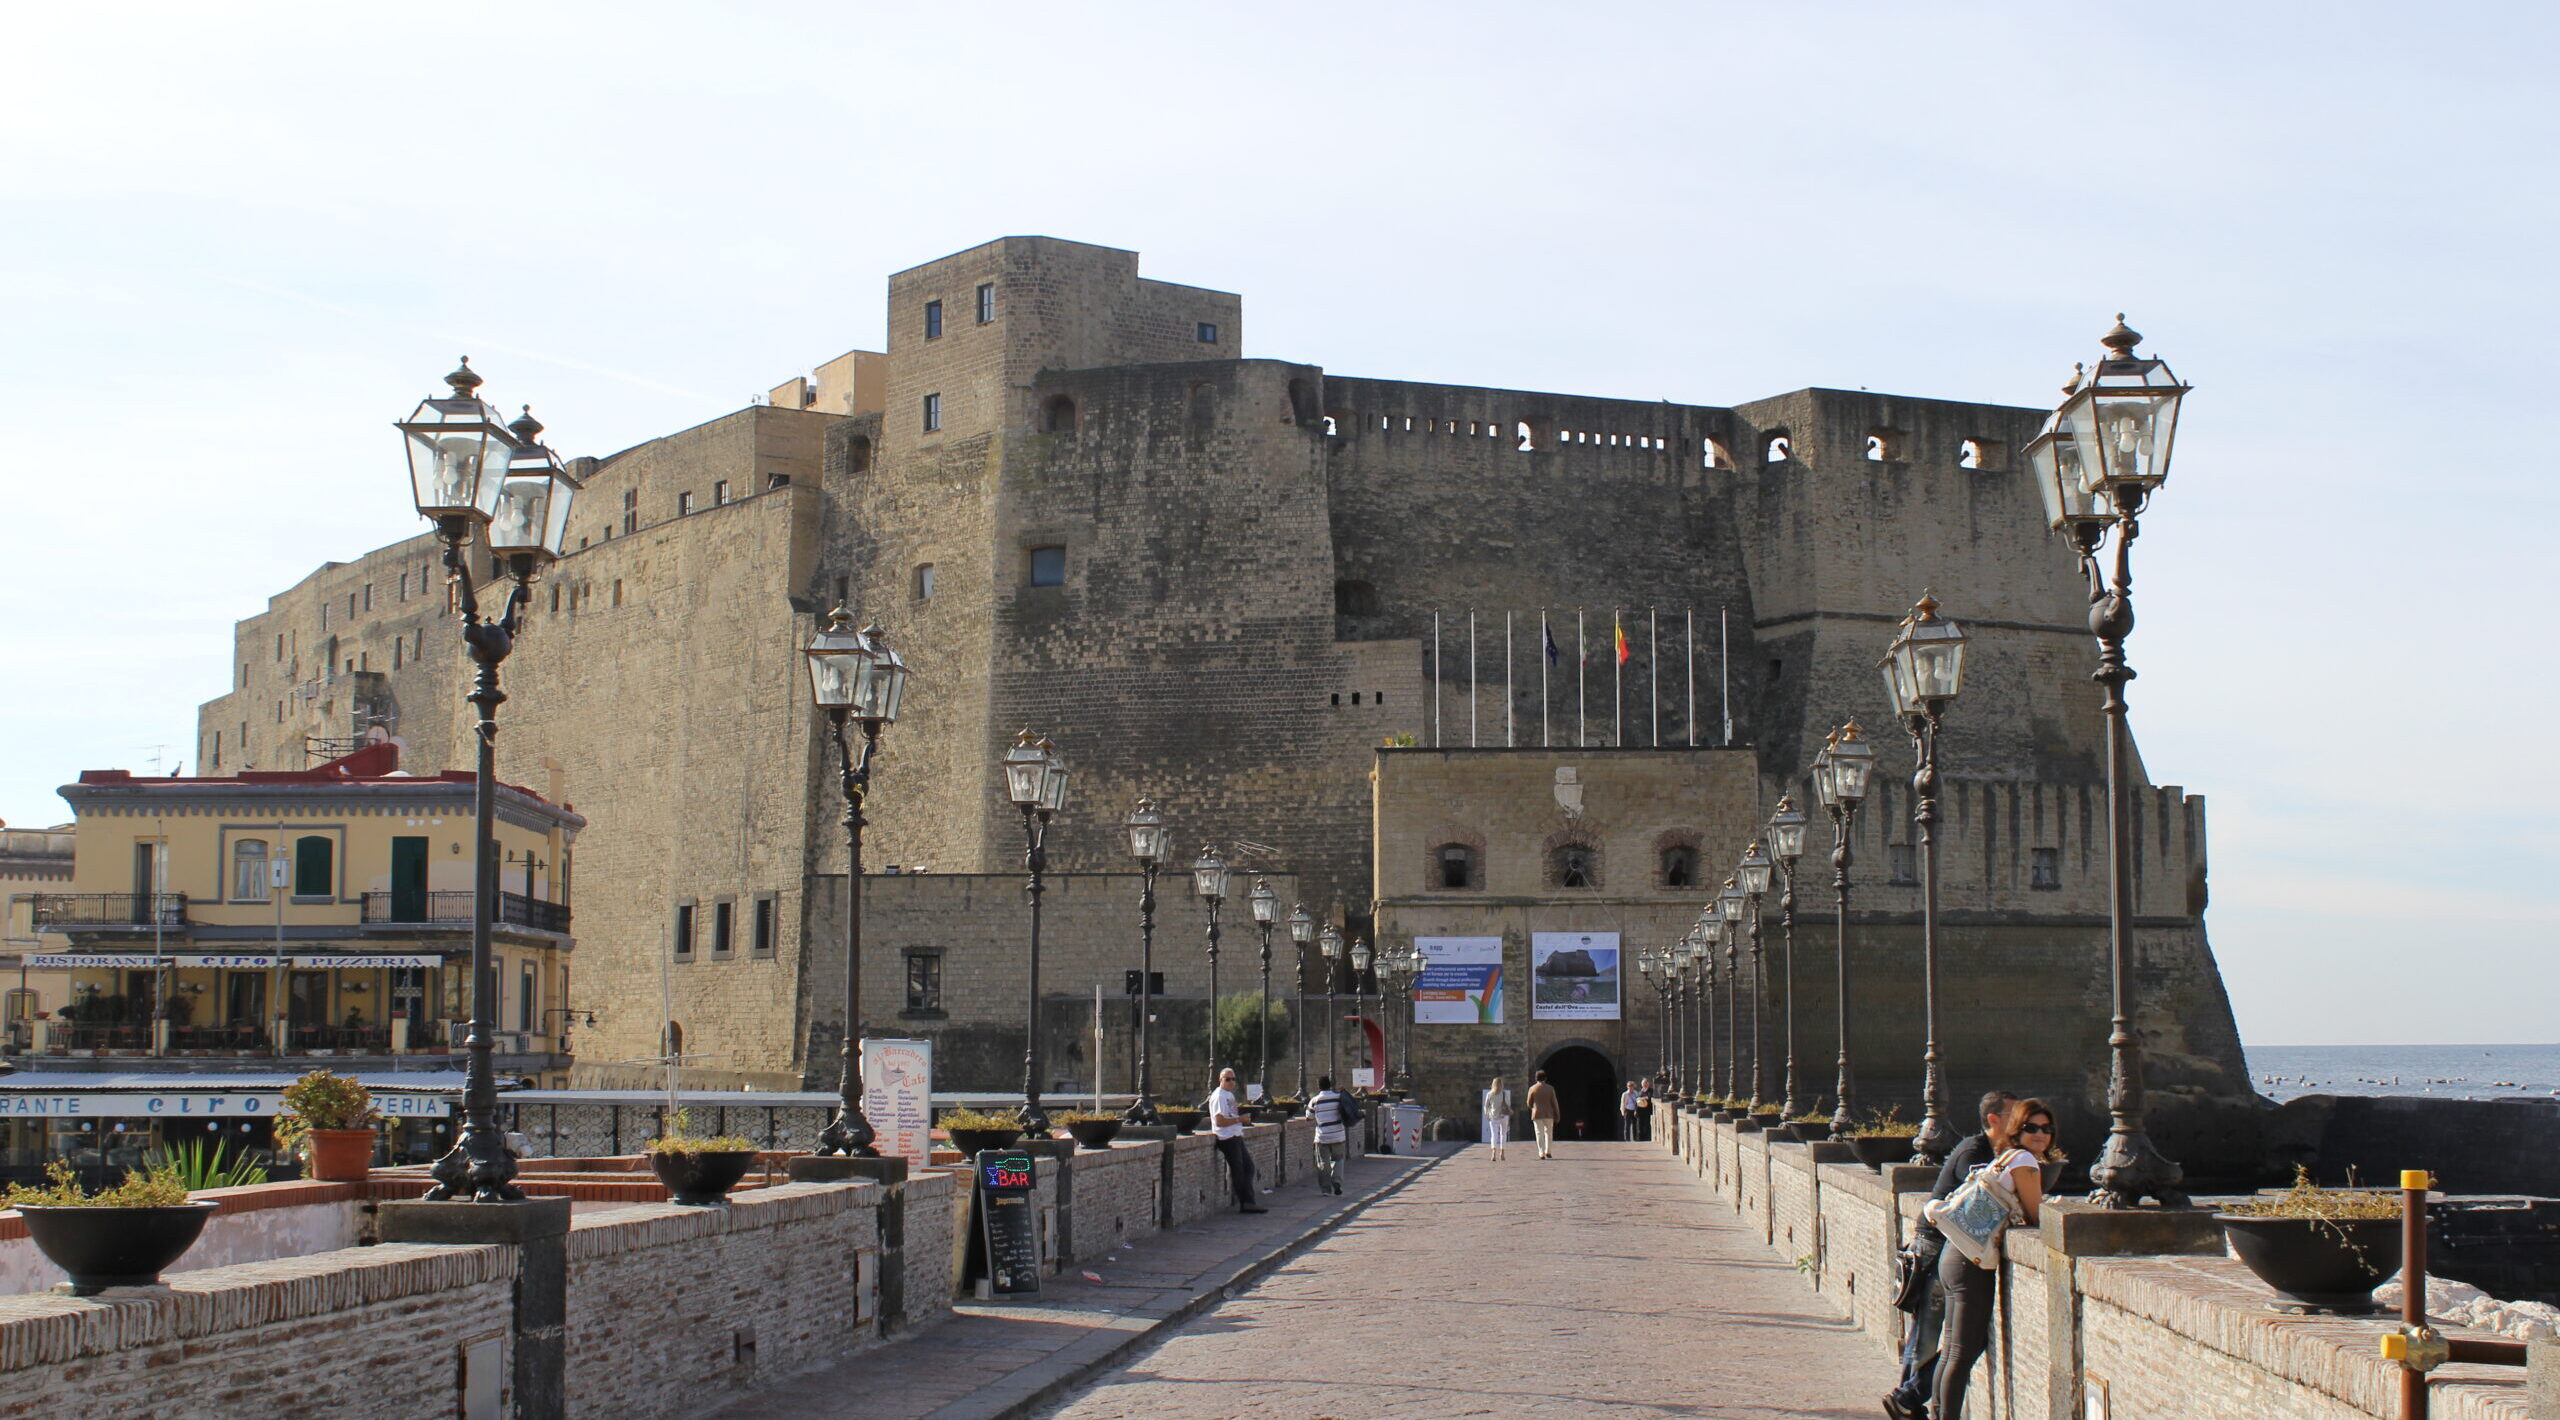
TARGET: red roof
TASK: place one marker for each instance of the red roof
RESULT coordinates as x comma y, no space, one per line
373,764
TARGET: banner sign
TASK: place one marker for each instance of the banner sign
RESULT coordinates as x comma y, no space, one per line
241,1104
100,961
58,961
897,1097
1573,976
397,963
1461,981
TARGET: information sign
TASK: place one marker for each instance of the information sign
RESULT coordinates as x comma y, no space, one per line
1461,981
1573,976
897,1097
1009,1220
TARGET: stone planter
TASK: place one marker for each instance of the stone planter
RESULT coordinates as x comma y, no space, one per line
1878,1150
115,1247
701,1179
1748,1124
1182,1120
1094,1133
2318,1264
970,1141
341,1155
1808,1131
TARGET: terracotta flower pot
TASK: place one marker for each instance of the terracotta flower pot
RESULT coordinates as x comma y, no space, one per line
341,1155
115,1247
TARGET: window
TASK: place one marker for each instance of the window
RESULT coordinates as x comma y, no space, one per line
924,984
1457,867
857,455
1058,416
684,504
249,870
723,913
1207,333
313,874
631,510
1904,862
763,943
1048,566
684,931
986,302
777,480
2044,870
1679,866
617,591
527,1003
1779,449
399,652
932,412
924,582
933,320
368,596
1574,865
720,494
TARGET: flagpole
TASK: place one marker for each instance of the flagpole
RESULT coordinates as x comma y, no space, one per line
1724,653
1617,681
1435,682
1581,673
1691,616
1653,668
1510,710
1546,638
1472,697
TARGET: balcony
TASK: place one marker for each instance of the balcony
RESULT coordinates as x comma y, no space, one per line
452,911
93,910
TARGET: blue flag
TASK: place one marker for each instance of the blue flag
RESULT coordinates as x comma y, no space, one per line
1553,655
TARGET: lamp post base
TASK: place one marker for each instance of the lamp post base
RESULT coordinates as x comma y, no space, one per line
2130,1169
849,1134
1141,1110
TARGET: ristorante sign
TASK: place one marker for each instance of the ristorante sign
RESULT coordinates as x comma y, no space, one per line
127,961
203,1104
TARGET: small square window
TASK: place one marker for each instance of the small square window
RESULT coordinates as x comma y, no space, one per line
986,303
2044,870
1048,566
932,412
1905,862
933,320
924,581
1208,333
684,931
720,494
684,505
924,983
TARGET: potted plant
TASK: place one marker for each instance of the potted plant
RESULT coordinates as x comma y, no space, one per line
1183,1119
1882,1138
1747,1118
2053,1165
699,1173
333,1117
2324,1249
1810,1126
972,1130
116,1237
1093,1129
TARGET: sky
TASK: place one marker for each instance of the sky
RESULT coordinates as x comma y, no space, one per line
237,241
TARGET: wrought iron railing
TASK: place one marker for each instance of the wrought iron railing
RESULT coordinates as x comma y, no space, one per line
449,908
110,909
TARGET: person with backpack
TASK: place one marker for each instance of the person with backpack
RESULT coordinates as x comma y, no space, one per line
1919,1294
1334,1113
2007,1191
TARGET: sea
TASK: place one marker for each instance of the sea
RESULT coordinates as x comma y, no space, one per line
2454,1072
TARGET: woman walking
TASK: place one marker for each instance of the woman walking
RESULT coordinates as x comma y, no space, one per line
1497,1117
1968,1271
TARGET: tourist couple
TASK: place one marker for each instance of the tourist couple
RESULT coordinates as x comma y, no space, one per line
1544,1110
1956,1285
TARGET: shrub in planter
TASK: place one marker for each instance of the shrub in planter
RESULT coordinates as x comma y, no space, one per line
1092,1129
117,1237
699,1172
1810,1126
972,1130
199,1168
1883,1138
1183,1120
332,1120
2324,1249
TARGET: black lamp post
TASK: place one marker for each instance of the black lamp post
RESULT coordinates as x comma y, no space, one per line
1302,930
473,478
1754,875
1786,845
1266,914
1696,952
855,678
1361,952
1661,1013
2106,448
1408,971
1923,671
1146,845
1729,916
1209,880
1329,942
1035,778
1840,781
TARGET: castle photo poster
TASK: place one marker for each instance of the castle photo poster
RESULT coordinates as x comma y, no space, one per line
1573,976
1461,981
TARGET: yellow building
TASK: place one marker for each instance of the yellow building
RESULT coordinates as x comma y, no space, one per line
32,861
288,915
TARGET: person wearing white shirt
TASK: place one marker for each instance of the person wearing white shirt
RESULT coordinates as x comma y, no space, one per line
1333,1115
1226,1119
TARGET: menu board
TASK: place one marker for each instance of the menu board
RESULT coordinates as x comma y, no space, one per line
1009,1221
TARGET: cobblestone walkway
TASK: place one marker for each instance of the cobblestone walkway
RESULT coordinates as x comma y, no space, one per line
1605,1282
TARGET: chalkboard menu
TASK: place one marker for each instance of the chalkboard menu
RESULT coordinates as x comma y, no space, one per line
1009,1221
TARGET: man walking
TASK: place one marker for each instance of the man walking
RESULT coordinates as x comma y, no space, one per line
1627,1111
1333,1114
1226,1117
1910,1400
1544,1111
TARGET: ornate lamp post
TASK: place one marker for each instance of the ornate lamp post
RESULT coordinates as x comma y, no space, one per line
1754,874
1147,847
1699,947
1209,880
1329,942
473,478
1035,778
1302,930
1361,952
2105,450
1405,964
1266,913
1661,1012
1840,781
854,678
1729,918
1786,845
1923,671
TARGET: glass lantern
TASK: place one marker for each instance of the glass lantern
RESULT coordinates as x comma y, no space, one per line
1053,779
1209,875
1786,830
838,659
2122,420
1266,903
1924,669
2069,506
457,452
531,517
1755,869
1146,833
1026,770
1302,928
1846,765
1729,902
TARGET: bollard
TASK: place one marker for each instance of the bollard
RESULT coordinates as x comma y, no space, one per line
2417,1346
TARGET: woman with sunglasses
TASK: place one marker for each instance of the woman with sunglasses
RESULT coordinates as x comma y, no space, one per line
2020,1143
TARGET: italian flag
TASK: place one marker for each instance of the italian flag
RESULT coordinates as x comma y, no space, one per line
1621,631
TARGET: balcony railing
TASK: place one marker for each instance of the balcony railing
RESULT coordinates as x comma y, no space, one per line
449,909
110,909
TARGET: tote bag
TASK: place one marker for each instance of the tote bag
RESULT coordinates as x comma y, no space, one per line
1977,1213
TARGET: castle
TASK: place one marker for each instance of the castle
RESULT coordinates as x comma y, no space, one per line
1075,505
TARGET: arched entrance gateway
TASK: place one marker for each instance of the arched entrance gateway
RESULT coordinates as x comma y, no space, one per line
1587,1088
